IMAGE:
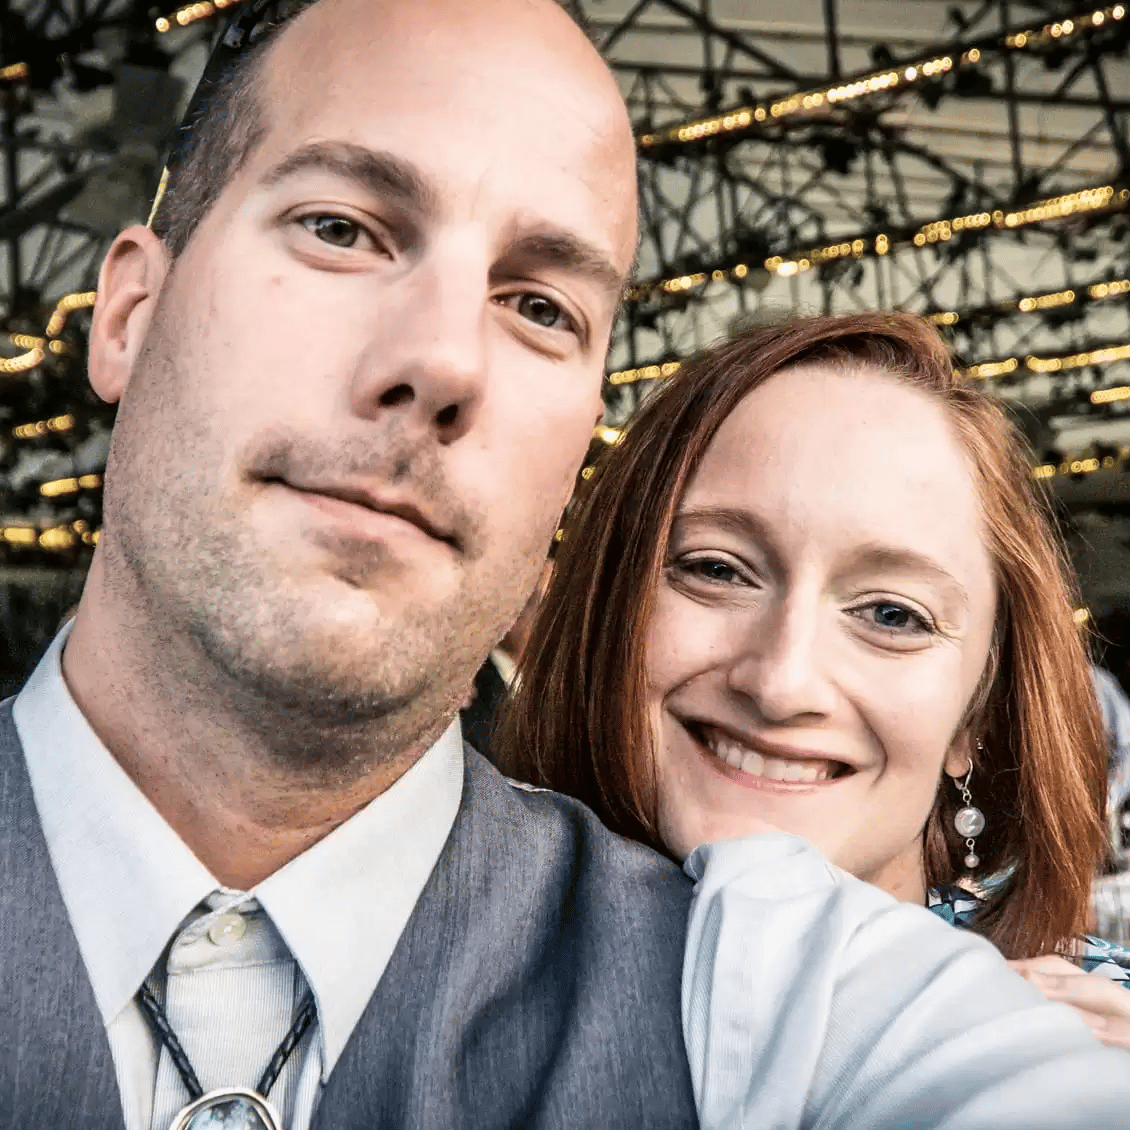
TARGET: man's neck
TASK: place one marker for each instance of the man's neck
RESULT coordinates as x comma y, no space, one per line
222,783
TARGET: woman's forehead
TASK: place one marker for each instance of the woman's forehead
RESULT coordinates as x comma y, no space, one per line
858,455
866,421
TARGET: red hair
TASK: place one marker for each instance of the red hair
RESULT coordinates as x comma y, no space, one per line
578,722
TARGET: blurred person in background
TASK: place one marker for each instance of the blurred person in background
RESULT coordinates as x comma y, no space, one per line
1115,709
1110,900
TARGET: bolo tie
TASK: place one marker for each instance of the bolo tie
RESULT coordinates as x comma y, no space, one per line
226,1108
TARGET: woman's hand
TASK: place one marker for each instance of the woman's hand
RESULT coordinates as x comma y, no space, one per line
1104,1004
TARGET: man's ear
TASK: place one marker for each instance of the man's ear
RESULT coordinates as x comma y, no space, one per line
131,278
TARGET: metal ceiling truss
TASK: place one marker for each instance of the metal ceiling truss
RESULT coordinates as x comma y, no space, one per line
768,184
58,160
86,103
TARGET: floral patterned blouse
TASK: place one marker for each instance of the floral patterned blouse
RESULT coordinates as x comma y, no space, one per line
959,908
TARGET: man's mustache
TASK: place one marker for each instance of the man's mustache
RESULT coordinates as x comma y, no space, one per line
391,473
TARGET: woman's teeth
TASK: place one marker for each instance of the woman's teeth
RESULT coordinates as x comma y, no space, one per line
772,768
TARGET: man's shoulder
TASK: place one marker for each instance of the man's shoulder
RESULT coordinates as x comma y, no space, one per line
551,830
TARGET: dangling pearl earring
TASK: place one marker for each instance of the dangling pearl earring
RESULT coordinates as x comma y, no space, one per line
970,820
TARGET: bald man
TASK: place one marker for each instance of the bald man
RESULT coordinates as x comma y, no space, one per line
249,876
358,362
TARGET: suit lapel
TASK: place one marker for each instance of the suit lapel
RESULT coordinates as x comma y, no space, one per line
56,1069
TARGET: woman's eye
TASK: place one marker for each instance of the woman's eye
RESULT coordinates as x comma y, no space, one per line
896,618
542,311
334,230
711,569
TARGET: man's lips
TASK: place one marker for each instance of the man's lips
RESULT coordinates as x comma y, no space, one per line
353,502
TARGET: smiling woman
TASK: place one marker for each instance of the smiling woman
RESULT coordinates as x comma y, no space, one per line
841,611
823,619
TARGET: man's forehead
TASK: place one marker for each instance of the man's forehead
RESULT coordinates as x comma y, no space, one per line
378,33
455,122
388,55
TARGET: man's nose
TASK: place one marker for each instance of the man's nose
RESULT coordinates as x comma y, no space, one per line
429,356
779,670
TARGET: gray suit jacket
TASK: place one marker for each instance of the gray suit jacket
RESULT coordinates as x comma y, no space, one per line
536,984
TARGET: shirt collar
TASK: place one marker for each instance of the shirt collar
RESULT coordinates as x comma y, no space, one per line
342,904
128,881
504,665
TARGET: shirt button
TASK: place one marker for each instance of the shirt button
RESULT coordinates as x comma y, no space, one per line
227,929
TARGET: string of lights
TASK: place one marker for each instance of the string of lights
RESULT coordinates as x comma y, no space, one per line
867,84
56,425
66,306
1102,355
58,488
1110,395
803,102
606,434
1034,303
190,13
983,370
24,362
36,348
643,373
56,539
1081,466
1098,198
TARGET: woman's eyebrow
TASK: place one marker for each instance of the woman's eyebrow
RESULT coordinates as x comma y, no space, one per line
902,559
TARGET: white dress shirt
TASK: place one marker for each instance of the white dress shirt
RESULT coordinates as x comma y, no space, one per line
236,964
815,1001
810,1000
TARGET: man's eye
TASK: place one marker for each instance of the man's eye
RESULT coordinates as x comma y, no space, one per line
334,230
542,312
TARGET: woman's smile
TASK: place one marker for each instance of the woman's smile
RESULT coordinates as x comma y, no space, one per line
759,767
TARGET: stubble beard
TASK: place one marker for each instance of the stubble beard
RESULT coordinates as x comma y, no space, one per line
232,631
228,626
235,642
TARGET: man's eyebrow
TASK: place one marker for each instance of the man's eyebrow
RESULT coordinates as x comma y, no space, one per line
386,175
554,247
382,174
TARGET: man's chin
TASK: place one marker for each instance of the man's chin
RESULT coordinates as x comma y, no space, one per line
360,667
